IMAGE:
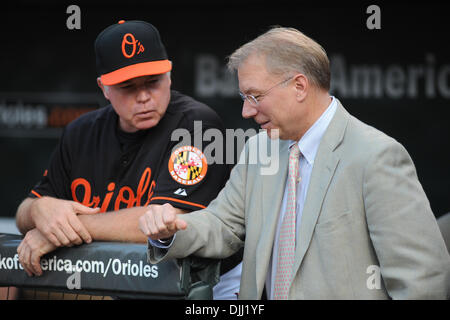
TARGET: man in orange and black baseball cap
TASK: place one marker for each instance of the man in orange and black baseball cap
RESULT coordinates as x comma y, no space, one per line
113,163
129,54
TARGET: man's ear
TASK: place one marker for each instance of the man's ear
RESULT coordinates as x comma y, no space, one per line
301,83
169,74
103,88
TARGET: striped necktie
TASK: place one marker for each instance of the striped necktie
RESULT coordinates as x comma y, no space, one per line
286,241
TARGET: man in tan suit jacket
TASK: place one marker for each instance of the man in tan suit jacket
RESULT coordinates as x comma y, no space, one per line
365,230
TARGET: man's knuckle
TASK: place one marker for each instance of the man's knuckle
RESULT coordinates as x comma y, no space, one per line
54,240
60,221
50,227
170,221
75,226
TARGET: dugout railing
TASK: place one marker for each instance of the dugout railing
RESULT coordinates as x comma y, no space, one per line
106,269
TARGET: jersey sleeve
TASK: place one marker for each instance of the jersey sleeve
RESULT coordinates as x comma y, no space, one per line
55,180
190,178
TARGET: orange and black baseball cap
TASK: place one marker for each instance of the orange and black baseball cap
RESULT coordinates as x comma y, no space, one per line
130,49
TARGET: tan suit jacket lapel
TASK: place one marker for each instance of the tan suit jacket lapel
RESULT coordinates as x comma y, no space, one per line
325,164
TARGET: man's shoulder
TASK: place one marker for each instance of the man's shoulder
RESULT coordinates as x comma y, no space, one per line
91,119
193,110
365,134
88,124
366,142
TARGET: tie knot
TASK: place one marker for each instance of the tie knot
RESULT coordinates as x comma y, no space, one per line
295,151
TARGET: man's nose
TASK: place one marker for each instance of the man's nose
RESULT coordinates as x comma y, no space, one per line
248,111
143,94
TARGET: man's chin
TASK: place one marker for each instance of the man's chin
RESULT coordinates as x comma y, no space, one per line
273,134
147,124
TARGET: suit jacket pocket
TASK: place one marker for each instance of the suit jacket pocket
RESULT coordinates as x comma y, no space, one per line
334,223
330,254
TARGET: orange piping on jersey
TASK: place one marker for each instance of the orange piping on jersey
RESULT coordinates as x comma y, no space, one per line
181,201
36,194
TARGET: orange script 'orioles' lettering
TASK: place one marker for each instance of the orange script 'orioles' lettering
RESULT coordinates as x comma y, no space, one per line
125,194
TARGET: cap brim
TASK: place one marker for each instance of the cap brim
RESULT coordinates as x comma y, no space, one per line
136,70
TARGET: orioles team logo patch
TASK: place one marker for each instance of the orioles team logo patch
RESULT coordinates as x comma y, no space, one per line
188,165
129,40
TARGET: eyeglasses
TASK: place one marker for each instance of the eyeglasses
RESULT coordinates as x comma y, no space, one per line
254,100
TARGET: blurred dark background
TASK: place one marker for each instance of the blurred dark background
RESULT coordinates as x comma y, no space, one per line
396,79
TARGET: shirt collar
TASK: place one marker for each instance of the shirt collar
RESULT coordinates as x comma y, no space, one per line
310,141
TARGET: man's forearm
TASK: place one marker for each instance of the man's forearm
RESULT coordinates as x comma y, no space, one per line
24,221
119,225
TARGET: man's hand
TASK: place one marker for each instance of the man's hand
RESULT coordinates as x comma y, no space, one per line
160,222
31,249
57,220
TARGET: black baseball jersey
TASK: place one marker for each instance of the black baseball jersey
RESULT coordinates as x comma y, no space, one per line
99,165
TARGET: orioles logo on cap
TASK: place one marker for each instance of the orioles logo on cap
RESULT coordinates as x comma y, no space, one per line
188,165
129,40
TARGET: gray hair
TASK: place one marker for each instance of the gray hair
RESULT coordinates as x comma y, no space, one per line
287,51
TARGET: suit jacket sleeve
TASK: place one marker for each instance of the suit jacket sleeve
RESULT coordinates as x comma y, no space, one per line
217,231
413,258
